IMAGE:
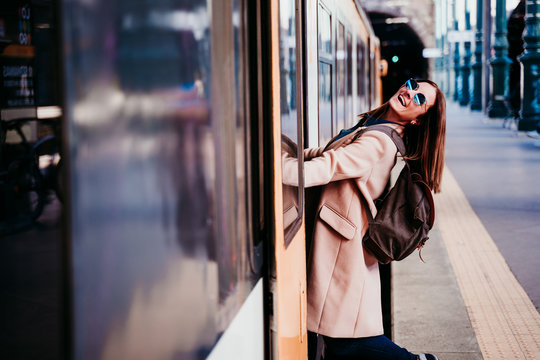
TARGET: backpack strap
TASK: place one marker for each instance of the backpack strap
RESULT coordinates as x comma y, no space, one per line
392,134
400,145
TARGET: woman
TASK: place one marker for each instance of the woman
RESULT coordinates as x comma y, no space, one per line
344,295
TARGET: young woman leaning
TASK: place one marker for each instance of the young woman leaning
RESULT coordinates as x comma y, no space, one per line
344,290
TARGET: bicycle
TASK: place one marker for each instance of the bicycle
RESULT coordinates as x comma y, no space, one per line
28,176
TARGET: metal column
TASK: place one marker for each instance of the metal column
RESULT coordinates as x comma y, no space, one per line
476,101
466,68
457,68
530,105
499,64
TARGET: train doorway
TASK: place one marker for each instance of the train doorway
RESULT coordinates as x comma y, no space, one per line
401,48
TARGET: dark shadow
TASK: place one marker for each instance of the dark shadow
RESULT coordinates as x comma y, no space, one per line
402,48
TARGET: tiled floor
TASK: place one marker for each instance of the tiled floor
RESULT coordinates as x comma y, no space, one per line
505,321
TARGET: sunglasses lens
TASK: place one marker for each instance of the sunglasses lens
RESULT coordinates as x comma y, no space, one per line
411,84
419,99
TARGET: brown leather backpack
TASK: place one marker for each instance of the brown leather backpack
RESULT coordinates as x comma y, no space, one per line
405,214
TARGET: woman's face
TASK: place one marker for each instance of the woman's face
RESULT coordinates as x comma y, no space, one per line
405,101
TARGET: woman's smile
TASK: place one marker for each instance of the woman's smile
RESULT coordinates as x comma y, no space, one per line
401,100
403,108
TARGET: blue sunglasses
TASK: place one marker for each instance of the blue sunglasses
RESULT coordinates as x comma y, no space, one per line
418,99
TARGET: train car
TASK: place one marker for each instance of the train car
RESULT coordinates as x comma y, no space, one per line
179,240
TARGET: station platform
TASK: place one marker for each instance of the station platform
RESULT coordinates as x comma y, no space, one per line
478,293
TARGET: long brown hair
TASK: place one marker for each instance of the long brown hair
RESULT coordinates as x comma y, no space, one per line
425,142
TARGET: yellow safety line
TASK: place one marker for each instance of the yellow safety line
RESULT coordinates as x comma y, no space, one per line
505,321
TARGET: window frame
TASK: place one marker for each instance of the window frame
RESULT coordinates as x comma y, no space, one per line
290,231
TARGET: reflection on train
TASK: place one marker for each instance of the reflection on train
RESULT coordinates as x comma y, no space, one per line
29,115
179,239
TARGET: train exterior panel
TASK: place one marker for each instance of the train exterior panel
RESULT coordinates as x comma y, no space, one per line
180,240
162,244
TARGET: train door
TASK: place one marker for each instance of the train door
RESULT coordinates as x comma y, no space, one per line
340,60
288,273
165,227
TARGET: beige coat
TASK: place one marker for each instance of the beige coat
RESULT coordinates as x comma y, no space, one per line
344,294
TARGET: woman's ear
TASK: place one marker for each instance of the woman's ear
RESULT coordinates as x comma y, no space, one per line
415,122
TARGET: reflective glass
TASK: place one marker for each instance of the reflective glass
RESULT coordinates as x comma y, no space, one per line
361,77
289,108
372,85
325,102
159,233
349,116
325,32
287,61
341,57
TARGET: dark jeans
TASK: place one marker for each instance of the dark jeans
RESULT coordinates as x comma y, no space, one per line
369,348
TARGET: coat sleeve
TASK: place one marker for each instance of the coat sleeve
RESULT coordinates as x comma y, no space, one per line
353,161
313,152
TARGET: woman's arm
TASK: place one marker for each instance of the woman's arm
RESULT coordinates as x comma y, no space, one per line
313,152
355,160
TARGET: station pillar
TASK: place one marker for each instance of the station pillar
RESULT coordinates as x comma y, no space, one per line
457,72
530,60
457,67
476,101
466,68
500,64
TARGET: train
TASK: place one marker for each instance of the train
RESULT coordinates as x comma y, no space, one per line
179,240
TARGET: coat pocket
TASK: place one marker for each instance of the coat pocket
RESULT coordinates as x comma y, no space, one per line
337,222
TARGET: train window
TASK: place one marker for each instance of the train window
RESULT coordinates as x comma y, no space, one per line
325,102
369,77
341,78
372,71
326,66
349,118
325,33
361,77
291,112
